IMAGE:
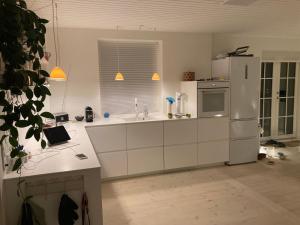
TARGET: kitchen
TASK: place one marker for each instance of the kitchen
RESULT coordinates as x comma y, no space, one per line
138,145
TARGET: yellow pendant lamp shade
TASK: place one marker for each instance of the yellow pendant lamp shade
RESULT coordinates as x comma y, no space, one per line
119,76
155,76
58,74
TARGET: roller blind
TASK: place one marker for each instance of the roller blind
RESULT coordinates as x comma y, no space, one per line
138,60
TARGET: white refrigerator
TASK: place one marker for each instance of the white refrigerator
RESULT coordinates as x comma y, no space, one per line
244,75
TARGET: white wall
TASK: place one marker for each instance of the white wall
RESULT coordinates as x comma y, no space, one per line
264,47
79,53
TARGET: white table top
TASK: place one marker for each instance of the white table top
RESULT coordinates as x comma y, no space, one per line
61,159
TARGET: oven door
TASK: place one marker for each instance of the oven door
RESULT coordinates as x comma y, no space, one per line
213,102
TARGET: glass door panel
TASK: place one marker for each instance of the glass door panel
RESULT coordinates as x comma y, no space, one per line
266,84
286,97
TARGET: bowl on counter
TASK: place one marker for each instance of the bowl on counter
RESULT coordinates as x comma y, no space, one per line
79,118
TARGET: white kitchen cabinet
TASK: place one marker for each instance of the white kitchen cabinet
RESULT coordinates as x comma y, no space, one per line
211,129
213,152
178,156
144,135
113,164
108,138
145,160
180,132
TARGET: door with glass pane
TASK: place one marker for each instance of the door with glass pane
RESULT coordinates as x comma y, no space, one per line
286,99
278,99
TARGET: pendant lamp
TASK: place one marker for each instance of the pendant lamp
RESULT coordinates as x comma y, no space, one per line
155,76
57,73
119,76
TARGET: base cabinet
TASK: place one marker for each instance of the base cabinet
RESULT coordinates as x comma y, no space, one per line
145,160
179,156
213,152
113,164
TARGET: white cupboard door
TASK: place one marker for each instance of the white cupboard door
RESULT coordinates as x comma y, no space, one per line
179,156
211,129
113,164
180,132
243,151
244,87
108,138
143,135
213,152
244,129
145,160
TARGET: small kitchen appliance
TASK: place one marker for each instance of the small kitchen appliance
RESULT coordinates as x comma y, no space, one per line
89,114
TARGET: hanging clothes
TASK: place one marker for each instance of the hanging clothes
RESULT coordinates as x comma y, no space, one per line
85,209
66,213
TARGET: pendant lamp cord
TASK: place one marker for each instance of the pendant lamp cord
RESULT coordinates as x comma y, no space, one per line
57,37
54,33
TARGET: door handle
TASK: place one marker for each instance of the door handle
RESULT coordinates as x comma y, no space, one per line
246,71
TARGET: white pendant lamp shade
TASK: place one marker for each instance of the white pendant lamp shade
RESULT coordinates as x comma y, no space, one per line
155,76
119,76
58,74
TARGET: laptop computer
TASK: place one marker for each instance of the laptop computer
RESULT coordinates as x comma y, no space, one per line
56,135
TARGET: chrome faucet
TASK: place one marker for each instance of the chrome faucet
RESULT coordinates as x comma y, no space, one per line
136,109
145,112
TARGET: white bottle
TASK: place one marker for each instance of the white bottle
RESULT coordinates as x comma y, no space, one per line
178,103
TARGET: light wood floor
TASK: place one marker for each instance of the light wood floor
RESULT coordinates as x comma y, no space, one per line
252,194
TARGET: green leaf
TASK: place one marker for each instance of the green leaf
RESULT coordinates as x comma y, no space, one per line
13,141
43,20
14,132
3,138
37,91
43,144
39,105
14,152
37,135
41,51
36,64
22,154
45,90
5,127
29,133
22,123
44,73
17,164
47,115
29,93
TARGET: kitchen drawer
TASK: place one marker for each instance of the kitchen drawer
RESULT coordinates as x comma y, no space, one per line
178,156
244,151
180,132
143,135
108,138
244,129
211,129
213,152
113,164
145,160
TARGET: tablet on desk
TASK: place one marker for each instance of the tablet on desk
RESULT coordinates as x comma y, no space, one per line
56,135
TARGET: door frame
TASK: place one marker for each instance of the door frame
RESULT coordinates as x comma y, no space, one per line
275,100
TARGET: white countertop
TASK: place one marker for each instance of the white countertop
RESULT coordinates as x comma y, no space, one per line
61,159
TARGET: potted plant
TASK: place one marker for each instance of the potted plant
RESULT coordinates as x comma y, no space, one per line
23,87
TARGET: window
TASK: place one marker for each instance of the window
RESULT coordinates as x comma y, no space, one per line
138,60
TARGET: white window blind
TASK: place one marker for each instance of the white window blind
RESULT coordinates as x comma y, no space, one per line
138,60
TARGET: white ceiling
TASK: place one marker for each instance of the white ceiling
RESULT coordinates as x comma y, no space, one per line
262,17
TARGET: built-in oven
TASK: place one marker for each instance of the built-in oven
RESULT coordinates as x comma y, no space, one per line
213,98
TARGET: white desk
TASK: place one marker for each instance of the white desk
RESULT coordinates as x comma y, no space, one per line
54,171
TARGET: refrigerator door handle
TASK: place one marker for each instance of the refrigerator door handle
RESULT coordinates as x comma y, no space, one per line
246,71
244,119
